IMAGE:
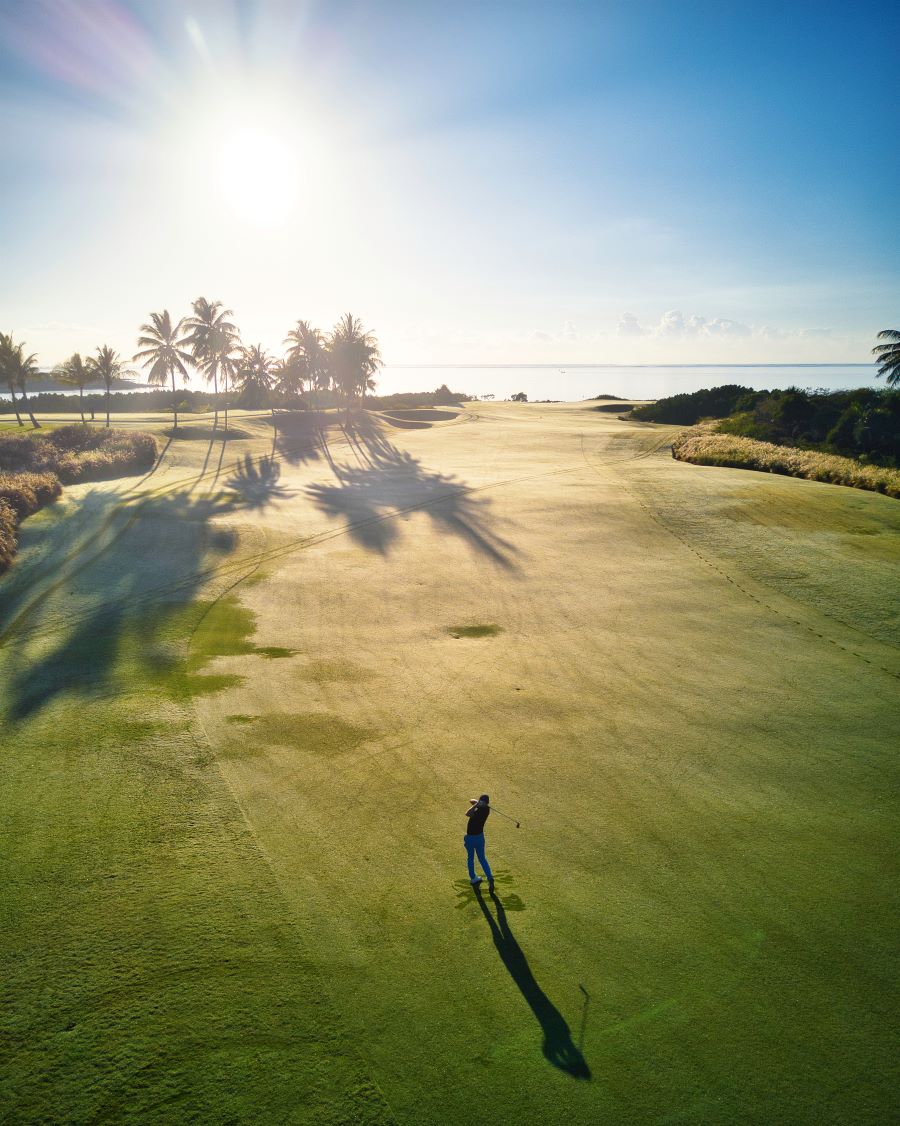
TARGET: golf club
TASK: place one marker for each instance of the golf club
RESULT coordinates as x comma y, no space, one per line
506,815
474,801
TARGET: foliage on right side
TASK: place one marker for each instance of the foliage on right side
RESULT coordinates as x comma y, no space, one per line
863,423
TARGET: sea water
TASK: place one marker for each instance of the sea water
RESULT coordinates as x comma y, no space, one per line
574,382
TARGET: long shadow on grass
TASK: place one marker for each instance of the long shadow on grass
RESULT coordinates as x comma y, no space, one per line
133,580
297,436
558,1047
386,481
257,482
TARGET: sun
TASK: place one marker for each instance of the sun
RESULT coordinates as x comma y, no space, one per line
257,175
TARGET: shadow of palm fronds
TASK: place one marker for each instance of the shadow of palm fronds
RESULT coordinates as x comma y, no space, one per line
257,482
387,482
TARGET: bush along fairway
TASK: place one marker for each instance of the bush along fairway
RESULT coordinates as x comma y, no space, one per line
34,467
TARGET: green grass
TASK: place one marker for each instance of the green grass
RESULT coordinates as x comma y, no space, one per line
474,631
233,798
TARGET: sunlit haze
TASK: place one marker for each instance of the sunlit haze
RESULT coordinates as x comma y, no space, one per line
620,182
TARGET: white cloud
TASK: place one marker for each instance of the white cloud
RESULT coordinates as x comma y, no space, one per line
721,326
630,326
816,332
671,324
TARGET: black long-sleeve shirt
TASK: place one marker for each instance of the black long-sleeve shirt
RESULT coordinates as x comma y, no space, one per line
477,816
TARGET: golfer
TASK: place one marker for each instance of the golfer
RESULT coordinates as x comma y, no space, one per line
478,812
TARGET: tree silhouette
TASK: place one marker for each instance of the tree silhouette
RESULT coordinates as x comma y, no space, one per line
306,362
107,366
8,370
255,376
17,370
162,351
354,358
214,342
77,373
887,355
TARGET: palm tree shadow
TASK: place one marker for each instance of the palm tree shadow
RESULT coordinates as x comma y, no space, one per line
386,482
558,1046
257,482
297,436
142,589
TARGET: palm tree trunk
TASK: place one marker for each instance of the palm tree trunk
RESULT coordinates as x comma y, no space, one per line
27,405
15,402
107,408
215,376
174,401
81,404
226,400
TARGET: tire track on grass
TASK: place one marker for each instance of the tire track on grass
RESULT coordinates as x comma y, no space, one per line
713,565
348,1043
253,562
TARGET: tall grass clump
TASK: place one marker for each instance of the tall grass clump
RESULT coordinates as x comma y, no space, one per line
706,445
33,469
7,535
25,493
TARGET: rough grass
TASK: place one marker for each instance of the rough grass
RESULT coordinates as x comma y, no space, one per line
705,445
77,453
25,493
7,535
33,469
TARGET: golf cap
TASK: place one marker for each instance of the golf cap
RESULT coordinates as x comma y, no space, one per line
485,799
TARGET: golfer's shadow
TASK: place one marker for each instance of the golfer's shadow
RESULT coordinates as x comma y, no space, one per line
558,1046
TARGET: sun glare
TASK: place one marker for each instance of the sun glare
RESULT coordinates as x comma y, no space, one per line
257,176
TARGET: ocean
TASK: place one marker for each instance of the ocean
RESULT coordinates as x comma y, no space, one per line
574,382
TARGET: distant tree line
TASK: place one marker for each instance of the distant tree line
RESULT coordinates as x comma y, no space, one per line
863,423
339,365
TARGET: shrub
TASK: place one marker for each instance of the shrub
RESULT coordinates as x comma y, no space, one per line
25,493
706,445
7,535
32,467
685,410
77,453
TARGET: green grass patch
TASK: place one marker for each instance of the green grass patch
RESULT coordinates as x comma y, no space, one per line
487,630
216,629
314,732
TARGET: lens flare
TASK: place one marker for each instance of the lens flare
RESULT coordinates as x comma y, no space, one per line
257,176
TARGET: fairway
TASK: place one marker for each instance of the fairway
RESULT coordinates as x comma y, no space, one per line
247,696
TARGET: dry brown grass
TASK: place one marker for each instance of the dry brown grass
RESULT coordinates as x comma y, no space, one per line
704,445
25,493
33,469
7,535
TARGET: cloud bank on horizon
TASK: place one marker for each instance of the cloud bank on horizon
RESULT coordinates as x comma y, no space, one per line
621,182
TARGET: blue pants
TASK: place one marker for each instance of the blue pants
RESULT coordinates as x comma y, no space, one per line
475,846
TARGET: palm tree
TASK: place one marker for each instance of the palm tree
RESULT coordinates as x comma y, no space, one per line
76,373
255,374
290,377
888,355
17,370
213,341
107,365
354,358
8,370
162,352
306,359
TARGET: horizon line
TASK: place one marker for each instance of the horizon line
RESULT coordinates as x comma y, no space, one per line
566,367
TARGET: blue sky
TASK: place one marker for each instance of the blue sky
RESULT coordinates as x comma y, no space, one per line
480,182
